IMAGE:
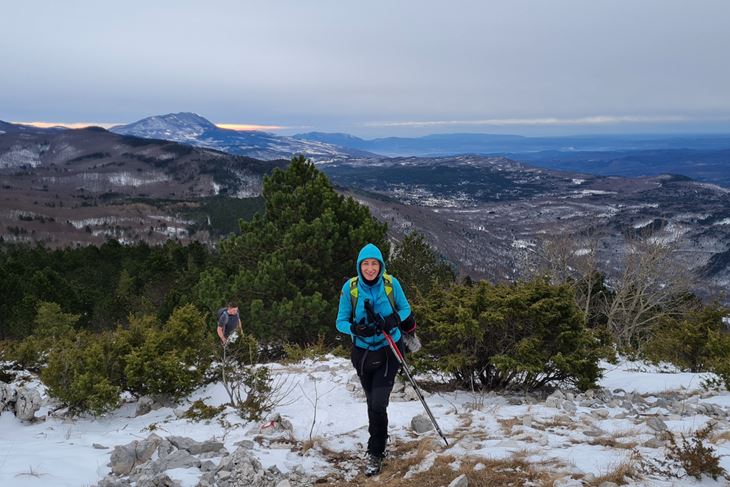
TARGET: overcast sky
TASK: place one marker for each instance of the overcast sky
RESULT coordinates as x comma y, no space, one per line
373,68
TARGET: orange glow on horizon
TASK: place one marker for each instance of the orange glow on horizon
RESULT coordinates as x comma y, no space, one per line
248,127
81,125
72,125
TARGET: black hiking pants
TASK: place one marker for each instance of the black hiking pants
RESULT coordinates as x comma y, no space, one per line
377,370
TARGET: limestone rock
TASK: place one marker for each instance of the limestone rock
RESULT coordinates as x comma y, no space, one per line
176,459
656,424
144,406
157,480
460,481
421,424
601,413
27,403
409,393
125,457
7,395
111,481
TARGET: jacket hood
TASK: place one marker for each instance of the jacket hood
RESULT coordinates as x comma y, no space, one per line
370,251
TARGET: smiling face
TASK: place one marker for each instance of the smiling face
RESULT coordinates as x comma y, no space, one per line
370,268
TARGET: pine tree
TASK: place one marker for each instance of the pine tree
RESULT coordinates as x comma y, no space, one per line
288,265
418,267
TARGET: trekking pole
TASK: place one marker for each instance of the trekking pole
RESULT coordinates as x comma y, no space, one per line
402,361
394,348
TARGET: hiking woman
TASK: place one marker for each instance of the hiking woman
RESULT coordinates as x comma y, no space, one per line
370,304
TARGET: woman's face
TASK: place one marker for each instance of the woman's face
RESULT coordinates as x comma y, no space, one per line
370,268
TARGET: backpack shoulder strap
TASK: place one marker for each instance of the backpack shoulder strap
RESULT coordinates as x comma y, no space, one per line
388,282
353,295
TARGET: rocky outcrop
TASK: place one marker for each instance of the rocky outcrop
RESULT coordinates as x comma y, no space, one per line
145,463
125,457
23,401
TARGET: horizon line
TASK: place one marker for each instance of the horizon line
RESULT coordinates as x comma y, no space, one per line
554,121
107,125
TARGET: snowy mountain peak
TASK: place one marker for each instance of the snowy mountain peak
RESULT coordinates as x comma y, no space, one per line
183,125
192,129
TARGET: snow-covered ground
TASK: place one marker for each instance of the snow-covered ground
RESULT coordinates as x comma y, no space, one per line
578,438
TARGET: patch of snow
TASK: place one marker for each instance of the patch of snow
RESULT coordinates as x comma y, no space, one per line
643,224
58,451
18,156
522,244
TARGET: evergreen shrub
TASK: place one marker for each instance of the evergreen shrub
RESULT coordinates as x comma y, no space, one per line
173,358
698,342
523,335
76,374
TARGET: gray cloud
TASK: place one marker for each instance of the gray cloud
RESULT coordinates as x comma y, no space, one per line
369,66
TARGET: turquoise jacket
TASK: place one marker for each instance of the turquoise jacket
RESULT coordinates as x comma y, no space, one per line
376,295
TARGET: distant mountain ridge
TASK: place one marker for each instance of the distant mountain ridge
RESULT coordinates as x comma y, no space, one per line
81,186
486,214
490,214
192,129
476,143
702,157
17,128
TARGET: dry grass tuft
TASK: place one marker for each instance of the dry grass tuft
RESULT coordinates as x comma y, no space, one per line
557,421
513,471
719,437
508,423
314,442
613,442
620,474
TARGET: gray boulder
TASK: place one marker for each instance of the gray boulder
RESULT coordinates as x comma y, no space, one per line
410,394
195,447
156,480
144,406
28,401
657,424
7,395
460,481
125,457
176,459
421,424
241,468
111,481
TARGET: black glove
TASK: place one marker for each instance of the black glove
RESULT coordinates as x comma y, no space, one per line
391,322
386,324
408,325
362,329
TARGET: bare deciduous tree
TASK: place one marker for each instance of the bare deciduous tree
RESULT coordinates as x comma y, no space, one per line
574,260
252,390
652,284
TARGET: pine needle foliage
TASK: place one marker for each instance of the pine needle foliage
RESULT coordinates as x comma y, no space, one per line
287,266
524,335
